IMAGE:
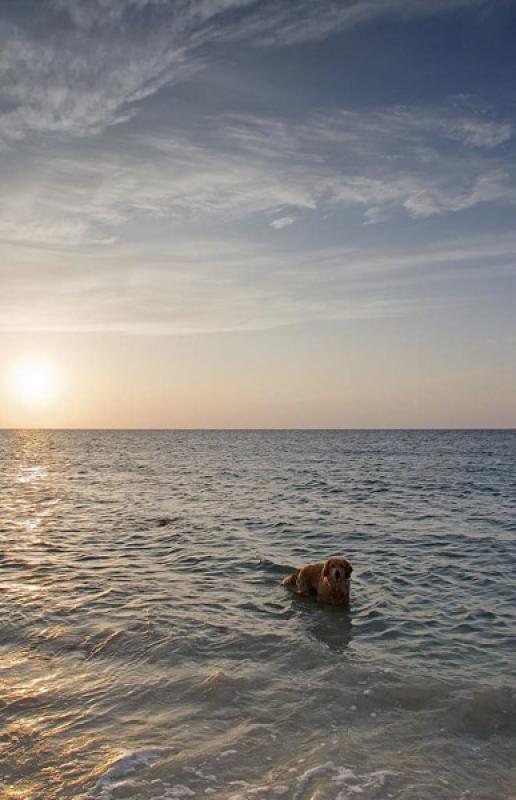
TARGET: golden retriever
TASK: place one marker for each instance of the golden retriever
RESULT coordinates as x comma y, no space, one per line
328,581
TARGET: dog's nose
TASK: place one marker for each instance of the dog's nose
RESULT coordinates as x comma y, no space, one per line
337,574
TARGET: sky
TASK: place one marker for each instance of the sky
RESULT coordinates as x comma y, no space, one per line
258,213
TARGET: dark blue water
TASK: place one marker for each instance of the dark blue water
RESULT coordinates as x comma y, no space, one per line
148,649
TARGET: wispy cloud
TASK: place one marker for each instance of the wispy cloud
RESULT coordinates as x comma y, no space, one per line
279,23
77,67
77,86
406,161
282,222
424,161
117,203
224,287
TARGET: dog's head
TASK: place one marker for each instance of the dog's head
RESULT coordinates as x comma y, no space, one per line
337,570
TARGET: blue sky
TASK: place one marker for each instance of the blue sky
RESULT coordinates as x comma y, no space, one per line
310,196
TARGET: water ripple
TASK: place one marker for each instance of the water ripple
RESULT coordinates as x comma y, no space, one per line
146,641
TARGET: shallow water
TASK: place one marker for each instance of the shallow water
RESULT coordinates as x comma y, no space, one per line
148,649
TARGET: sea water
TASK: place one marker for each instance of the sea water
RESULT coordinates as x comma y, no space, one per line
148,649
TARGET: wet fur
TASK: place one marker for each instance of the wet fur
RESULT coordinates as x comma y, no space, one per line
329,581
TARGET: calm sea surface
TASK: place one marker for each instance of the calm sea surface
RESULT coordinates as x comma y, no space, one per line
148,650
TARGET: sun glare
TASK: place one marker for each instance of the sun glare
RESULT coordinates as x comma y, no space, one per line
34,381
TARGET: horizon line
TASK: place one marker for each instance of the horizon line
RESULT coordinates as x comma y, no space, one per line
259,430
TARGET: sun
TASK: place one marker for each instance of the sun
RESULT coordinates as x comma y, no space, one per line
34,381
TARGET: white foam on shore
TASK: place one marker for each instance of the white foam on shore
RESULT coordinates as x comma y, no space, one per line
123,766
310,774
179,790
347,783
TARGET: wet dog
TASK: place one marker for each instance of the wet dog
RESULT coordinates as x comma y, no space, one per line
328,581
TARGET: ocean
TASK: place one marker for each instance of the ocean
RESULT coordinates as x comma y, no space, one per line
149,651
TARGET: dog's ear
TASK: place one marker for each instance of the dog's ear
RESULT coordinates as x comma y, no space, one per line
348,570
326,568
